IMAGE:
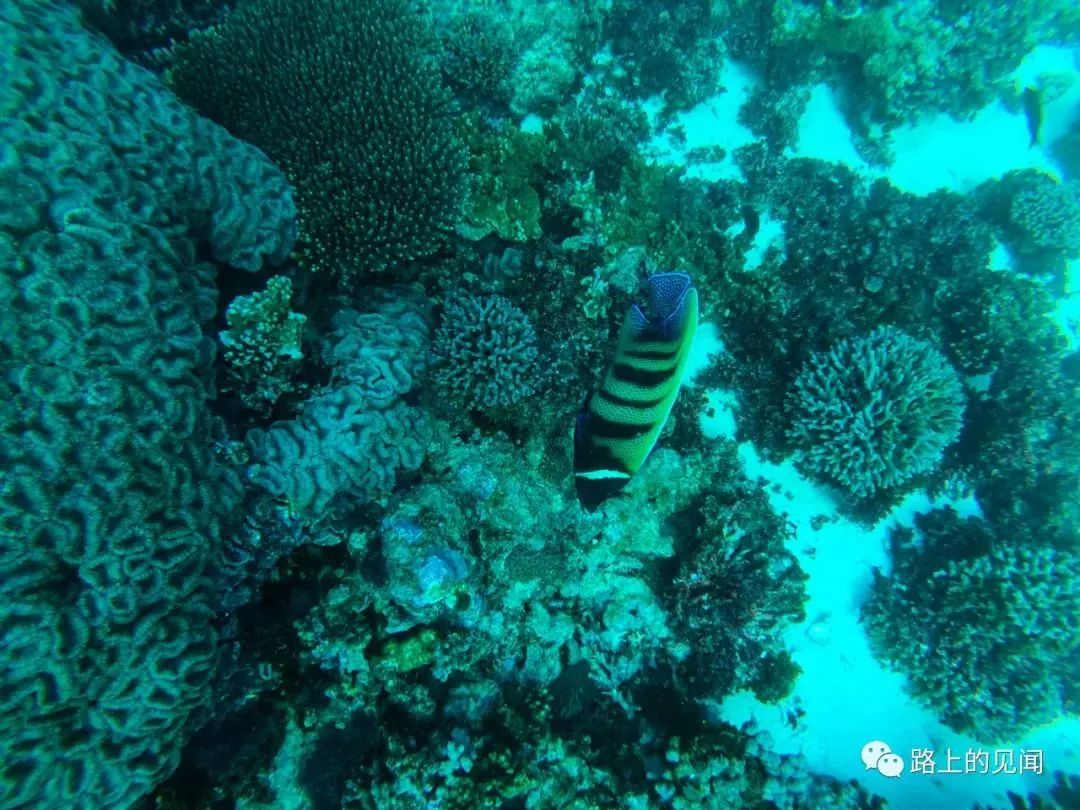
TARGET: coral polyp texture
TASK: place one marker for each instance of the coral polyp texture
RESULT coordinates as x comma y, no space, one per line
349,441
484,352
875,411
347,98
112,504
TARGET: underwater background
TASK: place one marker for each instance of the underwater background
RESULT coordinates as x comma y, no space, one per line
306,497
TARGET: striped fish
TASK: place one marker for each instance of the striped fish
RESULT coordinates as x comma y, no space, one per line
621,420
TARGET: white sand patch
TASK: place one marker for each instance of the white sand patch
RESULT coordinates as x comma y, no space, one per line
704,350
939,152
532,123
718,417
824,134
1000,258
770,234
711,125
848,698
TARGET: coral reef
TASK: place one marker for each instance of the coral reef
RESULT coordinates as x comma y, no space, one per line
383,349
666,48
349,442
735,588
1037,217
347,98
984,624
113,506
145,30
875,411
479,52
906,59
339,447
309,538
599,136
484,352
504,174
262,344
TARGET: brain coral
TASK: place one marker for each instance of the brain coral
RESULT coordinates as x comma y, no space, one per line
111,503
340,450
485,352
349,442
875,411
345,97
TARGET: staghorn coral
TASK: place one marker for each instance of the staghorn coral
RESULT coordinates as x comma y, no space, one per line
875,411
347,99
484,352
984,624
112,506
262,343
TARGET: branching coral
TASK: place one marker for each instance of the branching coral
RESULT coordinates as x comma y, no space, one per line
1037,217
262,343
485,352
985,628
347,99
875,411
737,587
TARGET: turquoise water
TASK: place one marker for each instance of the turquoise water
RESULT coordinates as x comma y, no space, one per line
621,404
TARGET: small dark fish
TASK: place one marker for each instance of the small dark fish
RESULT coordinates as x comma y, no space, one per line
1033,111
751,219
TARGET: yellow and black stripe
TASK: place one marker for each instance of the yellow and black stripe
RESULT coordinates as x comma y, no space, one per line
621,420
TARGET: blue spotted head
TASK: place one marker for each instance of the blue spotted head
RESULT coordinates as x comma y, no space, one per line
668,305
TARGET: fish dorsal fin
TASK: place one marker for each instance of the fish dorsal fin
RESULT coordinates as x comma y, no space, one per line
637,325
